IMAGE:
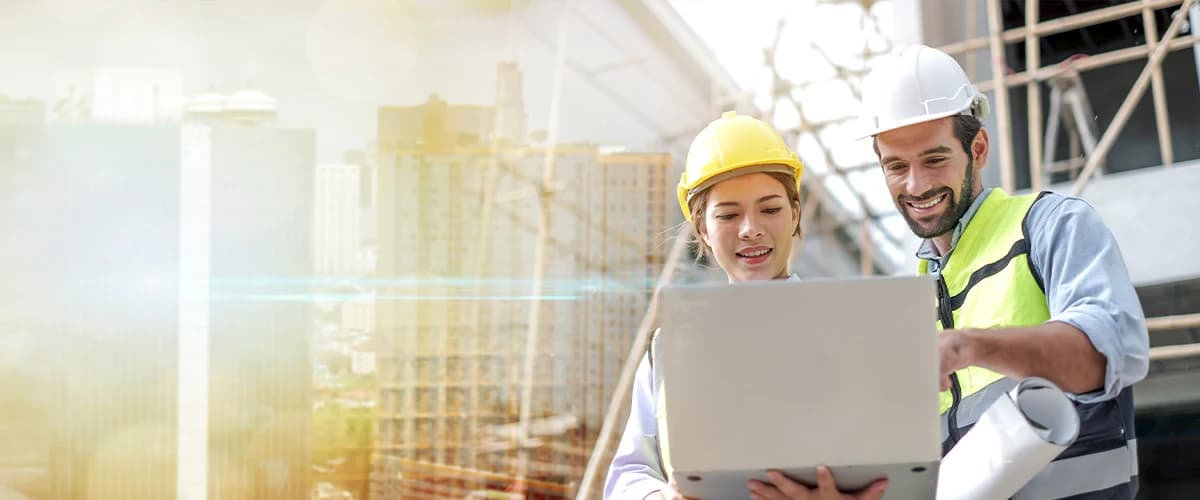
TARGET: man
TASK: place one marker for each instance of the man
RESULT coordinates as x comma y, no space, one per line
1029,285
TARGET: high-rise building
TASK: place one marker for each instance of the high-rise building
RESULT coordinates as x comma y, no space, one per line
338,217
458,235
344,358
261,233
437,127
160,264
510,104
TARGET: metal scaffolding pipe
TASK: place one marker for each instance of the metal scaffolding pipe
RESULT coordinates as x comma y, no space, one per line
1061,24
972,58
1135,94
1003,120
1033,58
539,253
866,258
1157,89
1173,322
1174,351
1089,63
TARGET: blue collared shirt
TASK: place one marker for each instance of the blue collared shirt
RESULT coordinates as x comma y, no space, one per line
1087,284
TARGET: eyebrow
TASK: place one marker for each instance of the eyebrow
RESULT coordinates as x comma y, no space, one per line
939,149
760,200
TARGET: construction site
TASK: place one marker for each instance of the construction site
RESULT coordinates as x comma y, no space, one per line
459,307
502,398
487,373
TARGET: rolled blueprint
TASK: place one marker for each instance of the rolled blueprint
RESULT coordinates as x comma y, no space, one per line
1015,438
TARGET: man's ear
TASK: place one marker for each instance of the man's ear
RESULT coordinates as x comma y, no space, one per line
980,147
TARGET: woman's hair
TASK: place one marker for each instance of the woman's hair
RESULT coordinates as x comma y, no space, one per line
699,202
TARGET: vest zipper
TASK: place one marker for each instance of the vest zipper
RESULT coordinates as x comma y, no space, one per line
946,315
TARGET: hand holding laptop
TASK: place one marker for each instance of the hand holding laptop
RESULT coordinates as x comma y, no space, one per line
783,488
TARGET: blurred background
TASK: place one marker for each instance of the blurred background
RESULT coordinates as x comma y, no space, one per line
347,249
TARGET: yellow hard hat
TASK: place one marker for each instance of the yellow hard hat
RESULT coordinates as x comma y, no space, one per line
731,146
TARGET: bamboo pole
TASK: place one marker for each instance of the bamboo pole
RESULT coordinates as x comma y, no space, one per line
1060,25
1139,88
1161,118
1002,110
1033,58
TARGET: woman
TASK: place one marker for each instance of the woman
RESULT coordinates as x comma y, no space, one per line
740,191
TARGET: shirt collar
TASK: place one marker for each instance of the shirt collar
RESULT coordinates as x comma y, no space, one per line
927,251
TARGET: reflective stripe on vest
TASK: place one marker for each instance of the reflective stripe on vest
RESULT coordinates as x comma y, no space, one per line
990,282
990,261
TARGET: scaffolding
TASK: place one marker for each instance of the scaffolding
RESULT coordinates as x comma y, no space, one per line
508,365
830,214
820,209
461,387
1040,164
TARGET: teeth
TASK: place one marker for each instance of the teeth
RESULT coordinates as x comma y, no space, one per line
756,253
930,203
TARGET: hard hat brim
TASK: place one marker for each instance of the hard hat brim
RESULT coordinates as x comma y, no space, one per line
794,167
913,121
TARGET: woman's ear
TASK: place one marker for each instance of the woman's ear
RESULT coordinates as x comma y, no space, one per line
702,232
796,217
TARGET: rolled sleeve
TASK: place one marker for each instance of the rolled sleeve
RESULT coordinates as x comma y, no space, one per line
1087,286
635,472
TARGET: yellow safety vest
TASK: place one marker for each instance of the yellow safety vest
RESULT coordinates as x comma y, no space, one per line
990,282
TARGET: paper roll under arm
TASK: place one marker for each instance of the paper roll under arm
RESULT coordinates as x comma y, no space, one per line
1017,436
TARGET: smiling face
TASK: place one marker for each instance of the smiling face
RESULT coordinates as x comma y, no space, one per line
748,223
932,179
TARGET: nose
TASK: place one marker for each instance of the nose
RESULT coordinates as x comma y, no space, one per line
750,229
918,181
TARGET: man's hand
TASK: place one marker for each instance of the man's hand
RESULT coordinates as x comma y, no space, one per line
953,354
782,488
1053,350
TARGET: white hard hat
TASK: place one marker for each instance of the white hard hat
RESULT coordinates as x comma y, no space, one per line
917,84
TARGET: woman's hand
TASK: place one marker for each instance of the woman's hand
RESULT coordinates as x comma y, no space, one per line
782,488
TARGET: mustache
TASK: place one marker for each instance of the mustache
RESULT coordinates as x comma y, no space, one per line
932,193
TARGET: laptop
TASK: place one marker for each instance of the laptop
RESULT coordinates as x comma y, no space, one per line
789,375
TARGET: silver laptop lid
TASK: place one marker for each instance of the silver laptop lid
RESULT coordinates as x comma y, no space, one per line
794,374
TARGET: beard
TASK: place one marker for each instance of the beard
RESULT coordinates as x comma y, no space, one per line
949,219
